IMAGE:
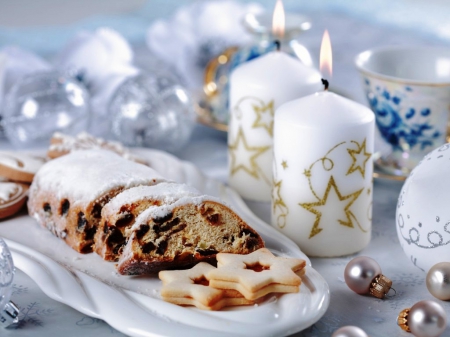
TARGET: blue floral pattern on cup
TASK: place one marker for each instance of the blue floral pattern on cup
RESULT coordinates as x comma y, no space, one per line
403,125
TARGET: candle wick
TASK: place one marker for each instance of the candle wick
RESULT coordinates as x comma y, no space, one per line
277,44
325,84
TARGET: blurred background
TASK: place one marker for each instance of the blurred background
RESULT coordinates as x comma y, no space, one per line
45,25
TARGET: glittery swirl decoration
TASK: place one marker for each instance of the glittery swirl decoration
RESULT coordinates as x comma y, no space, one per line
422,219
359,159
279,207
6,274
262,120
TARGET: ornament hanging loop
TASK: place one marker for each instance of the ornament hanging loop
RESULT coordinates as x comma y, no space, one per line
380,286
393,295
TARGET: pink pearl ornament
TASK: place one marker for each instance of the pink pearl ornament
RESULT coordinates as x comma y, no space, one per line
363,275
423,319
349,331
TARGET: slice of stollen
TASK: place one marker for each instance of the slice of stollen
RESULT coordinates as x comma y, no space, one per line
119,215
179,235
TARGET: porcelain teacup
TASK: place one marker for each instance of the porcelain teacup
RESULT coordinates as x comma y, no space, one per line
408,89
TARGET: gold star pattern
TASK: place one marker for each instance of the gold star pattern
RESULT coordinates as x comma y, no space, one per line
307,173
264,117
284,164
252,152
311,207
359,156
276,195
279,204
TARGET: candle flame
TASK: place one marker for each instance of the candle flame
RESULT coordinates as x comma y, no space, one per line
278,20
326,55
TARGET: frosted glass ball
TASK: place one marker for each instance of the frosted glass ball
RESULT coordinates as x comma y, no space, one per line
152,110
41,104
423,212
6,274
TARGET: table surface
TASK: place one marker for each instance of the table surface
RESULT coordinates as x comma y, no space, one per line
41,316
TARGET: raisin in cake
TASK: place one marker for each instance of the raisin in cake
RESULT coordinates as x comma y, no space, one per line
119,214
68,193
190,230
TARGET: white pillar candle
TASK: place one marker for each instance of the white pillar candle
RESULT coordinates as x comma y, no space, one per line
257,88
322,196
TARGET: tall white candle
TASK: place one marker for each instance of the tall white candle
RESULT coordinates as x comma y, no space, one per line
257,89
322,196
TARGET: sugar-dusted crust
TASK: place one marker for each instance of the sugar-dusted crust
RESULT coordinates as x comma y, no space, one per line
119,214
184,233
62,144
68,193
19,166
12,198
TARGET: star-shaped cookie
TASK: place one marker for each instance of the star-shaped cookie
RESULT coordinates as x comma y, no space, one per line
190,287
256,274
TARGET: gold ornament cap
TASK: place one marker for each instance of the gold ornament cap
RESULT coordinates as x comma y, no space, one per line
402,320
380,286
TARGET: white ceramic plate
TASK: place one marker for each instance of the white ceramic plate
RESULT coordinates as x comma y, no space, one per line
132,305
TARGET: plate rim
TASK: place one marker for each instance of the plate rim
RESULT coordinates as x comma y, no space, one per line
78,278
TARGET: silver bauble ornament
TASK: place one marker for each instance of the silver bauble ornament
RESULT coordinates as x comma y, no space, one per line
423,319
349,331
423,215
152,110
438,281
40,104
363,275
8,311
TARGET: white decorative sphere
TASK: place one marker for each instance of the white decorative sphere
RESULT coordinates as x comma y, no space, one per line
423,211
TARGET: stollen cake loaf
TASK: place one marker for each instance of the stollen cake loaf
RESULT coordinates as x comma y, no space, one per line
68,193
119,214
183,233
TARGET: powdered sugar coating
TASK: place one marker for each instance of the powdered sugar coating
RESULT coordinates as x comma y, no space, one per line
83,141
167,192
161,211
84,176
8,190
62,144
20,162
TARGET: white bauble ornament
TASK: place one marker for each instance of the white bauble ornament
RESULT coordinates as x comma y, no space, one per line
423,212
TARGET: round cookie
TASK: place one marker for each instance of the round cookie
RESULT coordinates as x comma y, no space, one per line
19,166
12,198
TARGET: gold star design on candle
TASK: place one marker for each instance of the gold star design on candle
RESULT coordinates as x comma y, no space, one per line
284,164
359,158
307,173
347,199
248,162
264,117
278,201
